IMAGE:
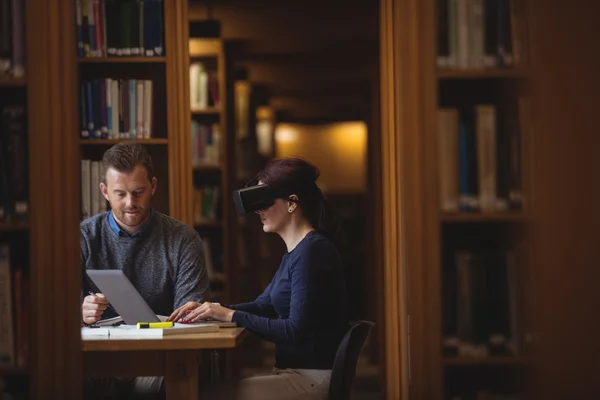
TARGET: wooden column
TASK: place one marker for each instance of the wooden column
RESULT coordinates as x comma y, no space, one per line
396,330
55,200
178,110
407,88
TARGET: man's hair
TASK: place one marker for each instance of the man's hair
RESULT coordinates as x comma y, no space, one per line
124,157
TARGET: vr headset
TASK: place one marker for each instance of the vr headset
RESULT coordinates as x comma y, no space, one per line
253,198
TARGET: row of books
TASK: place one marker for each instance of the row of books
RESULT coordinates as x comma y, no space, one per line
479,304
14,161
120,28
207,204
204,87
478,33
12,38
479,153
14,309
92,200
116,108
206,144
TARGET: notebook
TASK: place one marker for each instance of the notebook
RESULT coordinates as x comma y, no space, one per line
132,331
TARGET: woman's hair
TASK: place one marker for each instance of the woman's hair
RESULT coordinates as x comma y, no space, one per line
297,176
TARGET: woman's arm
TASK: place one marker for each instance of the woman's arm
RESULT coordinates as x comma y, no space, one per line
261,306
308,280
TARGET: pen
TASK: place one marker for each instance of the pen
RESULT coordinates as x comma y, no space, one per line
109,306
146,325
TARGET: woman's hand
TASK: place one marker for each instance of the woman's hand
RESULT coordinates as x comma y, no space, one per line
209,310
183,311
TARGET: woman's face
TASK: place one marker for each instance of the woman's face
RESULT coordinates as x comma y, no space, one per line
276,217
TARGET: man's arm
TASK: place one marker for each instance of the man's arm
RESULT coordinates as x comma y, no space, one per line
191,282
92,307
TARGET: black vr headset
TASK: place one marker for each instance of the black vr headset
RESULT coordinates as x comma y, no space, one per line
255,197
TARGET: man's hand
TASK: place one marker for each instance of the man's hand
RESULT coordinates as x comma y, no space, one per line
209,310
92,308
183,311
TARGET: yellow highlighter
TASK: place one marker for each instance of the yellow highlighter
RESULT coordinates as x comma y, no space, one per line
147,325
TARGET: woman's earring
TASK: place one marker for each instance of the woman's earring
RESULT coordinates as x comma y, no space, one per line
290,210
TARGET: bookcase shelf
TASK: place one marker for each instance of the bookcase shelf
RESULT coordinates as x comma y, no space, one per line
472,361
482,73
8,81
118,60
104,142
8,370
206,111
484,217
14,226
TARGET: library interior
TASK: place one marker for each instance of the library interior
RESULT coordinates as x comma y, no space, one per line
455,143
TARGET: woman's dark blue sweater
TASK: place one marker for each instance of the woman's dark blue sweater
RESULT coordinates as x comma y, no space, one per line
304,310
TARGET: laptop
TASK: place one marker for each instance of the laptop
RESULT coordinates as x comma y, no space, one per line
127,301
122,295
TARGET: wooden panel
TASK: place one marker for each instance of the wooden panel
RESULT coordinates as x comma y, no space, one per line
178,113
396,330
565,257
55,193
429,374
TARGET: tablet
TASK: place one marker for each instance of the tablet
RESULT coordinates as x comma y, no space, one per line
122,295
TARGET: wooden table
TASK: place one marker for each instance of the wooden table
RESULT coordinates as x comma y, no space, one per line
174,357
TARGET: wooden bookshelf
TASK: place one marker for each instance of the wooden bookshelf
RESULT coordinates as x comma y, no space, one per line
103,142
16,114
427,231
481,73
145,84
466,245
210,131
117,60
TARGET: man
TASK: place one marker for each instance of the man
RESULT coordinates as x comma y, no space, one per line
162,257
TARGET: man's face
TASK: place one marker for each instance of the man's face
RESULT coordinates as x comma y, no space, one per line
129,195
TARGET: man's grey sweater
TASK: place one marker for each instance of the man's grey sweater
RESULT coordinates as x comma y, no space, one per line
164,261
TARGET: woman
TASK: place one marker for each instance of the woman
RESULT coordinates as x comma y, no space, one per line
304,310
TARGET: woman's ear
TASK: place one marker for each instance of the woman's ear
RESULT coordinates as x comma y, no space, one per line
293,200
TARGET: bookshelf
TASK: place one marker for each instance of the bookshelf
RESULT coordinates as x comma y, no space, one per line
211,160
122,75
480,145
457,199
15,215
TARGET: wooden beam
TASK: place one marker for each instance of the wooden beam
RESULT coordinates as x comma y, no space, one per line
55,271
396,360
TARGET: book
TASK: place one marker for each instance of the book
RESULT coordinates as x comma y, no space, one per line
132,331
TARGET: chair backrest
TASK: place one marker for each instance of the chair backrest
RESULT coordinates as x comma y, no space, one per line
346,358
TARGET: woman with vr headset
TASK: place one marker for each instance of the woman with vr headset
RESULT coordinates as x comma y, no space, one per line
304,310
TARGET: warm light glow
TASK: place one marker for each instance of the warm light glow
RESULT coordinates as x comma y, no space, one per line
284,135
204,47
339,150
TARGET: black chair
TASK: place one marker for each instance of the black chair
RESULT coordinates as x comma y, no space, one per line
346,358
